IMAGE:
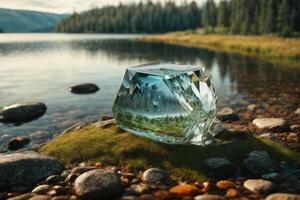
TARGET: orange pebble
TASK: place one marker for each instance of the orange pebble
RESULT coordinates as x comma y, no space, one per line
184,190
232,193
98,165
225,184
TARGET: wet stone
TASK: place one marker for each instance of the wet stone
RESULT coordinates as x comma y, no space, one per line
18,143
60,198
259,163
86,88
220,168
184,190
141,188
40,197
22,197
21,113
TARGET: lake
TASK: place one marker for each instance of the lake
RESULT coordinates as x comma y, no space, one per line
41,67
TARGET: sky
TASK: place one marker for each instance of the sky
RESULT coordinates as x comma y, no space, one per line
67,6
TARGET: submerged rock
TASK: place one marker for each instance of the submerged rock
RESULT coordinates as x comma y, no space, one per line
227,115
26,169
21,113
86,88
220,168
98,184
270,123
259,162
18,143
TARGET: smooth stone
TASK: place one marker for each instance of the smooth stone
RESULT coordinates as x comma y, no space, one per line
283,196
154,175
18,143
98,184
81,170
23,112
40,197
184,190
209,197
220,167
265,135
26,168
260,186
22,197
41,189
227,115
86,88
251,107
269,123
259,162
54,179
60,198
297,111
129,198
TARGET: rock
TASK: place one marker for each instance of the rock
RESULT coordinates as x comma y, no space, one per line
81,170
270,123
140,188
22,197
283,196
295,127
260,186
59,190
220,168
26,168
71,178
40,197
251,107
54,179
259,163
266,135
154,175
163,195
86,88
184,190
130,198
41,189
98,184
297,111
225,184
209,197
18,143
227,115
21,113
60,198
232,193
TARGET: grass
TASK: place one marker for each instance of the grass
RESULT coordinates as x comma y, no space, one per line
113,146
285,51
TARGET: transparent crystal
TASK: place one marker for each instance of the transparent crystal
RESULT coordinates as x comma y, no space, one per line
171,103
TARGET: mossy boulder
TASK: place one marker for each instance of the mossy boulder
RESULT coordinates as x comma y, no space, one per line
113,146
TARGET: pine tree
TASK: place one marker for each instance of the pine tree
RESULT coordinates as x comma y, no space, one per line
223,15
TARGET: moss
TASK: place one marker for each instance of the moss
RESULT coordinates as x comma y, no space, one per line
116,147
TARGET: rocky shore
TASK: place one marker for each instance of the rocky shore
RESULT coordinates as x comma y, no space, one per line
72,169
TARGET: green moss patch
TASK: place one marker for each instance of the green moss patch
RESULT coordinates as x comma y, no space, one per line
113,146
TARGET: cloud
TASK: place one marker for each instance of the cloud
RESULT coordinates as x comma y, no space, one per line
66,6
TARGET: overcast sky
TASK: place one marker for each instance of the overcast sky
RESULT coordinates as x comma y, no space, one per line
66,6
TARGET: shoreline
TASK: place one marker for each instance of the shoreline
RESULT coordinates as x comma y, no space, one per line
277,50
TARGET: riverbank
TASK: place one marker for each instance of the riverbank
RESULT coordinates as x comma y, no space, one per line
283,51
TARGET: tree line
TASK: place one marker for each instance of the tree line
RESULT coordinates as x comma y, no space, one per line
247,17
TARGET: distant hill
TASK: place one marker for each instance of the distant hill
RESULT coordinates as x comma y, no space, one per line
20,21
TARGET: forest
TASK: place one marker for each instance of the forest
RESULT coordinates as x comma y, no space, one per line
245,17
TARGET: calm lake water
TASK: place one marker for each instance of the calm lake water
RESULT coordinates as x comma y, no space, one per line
41,67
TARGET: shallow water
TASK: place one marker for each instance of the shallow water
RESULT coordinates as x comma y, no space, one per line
41,67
